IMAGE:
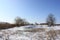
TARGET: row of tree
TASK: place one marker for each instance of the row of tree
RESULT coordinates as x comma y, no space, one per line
50,21
22,22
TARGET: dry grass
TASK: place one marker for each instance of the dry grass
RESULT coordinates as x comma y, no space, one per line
52,34
35,30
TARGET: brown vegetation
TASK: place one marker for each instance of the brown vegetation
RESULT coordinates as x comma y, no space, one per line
52,34
35,30
6,26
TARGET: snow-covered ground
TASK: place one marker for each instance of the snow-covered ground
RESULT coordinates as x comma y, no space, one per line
31,32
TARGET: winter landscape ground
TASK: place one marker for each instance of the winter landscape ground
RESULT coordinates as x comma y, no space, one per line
31,33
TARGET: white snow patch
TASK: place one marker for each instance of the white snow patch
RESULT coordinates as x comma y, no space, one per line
16,33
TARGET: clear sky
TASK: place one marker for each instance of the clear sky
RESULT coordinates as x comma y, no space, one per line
31,10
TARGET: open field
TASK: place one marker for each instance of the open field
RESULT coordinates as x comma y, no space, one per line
20,33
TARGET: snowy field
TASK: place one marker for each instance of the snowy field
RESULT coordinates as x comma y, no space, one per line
31,33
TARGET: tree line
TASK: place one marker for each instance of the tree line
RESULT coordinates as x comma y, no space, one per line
50,21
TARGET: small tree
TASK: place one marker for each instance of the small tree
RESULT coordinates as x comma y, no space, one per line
19,21
36,23
51,20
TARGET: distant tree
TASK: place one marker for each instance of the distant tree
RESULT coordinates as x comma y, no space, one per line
36,23
51,20
19,21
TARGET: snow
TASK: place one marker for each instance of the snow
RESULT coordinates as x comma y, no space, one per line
17,33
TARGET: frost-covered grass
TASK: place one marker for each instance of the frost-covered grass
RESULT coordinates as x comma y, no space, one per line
31,33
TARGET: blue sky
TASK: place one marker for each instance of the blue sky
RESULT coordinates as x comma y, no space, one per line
31,10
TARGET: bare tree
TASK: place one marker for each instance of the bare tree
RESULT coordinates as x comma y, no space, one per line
51,20
20,21
36,23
